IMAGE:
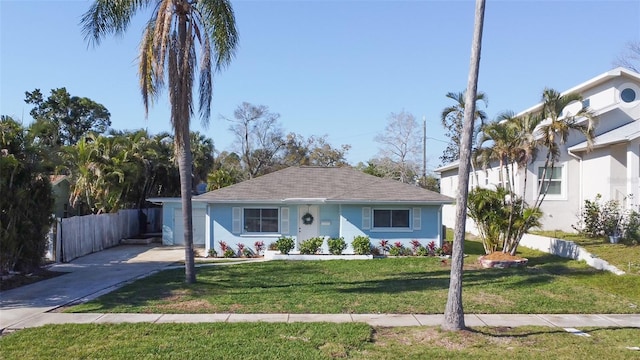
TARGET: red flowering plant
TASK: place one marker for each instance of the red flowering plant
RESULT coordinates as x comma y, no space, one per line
415,244
259,245
384,246
240,247
431,246
223,246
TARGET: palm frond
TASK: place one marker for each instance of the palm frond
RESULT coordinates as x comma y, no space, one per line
106,17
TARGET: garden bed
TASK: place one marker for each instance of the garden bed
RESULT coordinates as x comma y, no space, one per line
501,260
275,255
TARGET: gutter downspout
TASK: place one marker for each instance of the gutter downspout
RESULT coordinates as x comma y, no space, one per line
581,177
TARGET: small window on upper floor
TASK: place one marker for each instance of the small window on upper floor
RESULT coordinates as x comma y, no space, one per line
628,95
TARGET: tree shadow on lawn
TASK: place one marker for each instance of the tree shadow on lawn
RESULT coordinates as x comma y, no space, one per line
540,270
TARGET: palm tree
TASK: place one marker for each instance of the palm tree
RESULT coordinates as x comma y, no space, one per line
452,117
454,312
556,128
176,29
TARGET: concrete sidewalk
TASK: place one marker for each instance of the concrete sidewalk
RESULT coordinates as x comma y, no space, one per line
383,320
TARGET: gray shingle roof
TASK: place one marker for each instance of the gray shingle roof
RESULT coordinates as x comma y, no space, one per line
308,184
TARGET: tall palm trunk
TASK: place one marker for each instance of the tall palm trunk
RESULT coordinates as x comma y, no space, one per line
183,148
454,313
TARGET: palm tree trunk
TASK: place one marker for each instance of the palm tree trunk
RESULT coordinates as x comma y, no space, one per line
183,148
454,313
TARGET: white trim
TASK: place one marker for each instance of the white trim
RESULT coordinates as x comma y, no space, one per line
628,85
390,228
563,181
260,208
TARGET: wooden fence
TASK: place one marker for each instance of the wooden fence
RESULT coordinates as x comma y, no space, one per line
81,235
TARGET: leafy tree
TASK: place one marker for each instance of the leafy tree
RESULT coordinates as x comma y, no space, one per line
430,182
26,203
314,151
173,34
454,312
452,120
371,168
400,145
259,136
63,119
203,160
227,171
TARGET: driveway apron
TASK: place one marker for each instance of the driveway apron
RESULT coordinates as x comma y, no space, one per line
86,277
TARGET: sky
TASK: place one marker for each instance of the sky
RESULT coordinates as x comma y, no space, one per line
334,68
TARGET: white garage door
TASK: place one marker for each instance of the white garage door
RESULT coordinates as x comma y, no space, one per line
198,227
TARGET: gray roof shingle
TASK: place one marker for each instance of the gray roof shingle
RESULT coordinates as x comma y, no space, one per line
307,184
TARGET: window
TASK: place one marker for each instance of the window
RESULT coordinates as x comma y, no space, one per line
628,95
391,218
553,179
261,220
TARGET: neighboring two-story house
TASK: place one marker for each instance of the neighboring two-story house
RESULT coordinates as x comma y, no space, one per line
611,168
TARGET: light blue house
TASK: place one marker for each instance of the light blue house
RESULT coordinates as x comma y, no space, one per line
305,202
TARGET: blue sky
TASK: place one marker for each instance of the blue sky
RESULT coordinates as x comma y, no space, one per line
335,68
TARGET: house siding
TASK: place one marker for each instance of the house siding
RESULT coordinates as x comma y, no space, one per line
430,229
334,221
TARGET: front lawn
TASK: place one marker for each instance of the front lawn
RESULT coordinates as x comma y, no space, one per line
625,256
395,285
310,341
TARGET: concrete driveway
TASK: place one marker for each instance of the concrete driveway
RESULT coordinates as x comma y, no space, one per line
87,277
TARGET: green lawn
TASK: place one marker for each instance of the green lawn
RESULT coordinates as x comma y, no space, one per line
310,341
624,256
395,285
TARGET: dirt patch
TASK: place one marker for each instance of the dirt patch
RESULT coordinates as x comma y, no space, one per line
187,307
13,281
486,298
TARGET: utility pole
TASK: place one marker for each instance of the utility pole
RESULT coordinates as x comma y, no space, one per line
424,148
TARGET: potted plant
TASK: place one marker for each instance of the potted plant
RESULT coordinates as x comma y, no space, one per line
612,221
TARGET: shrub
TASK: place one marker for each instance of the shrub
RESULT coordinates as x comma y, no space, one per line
361,245
311,246
229,253
396,250
272,246
422,251
607,218
246,252
446,248
212,252
285,244
336,245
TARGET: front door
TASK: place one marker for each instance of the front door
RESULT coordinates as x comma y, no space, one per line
310,229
